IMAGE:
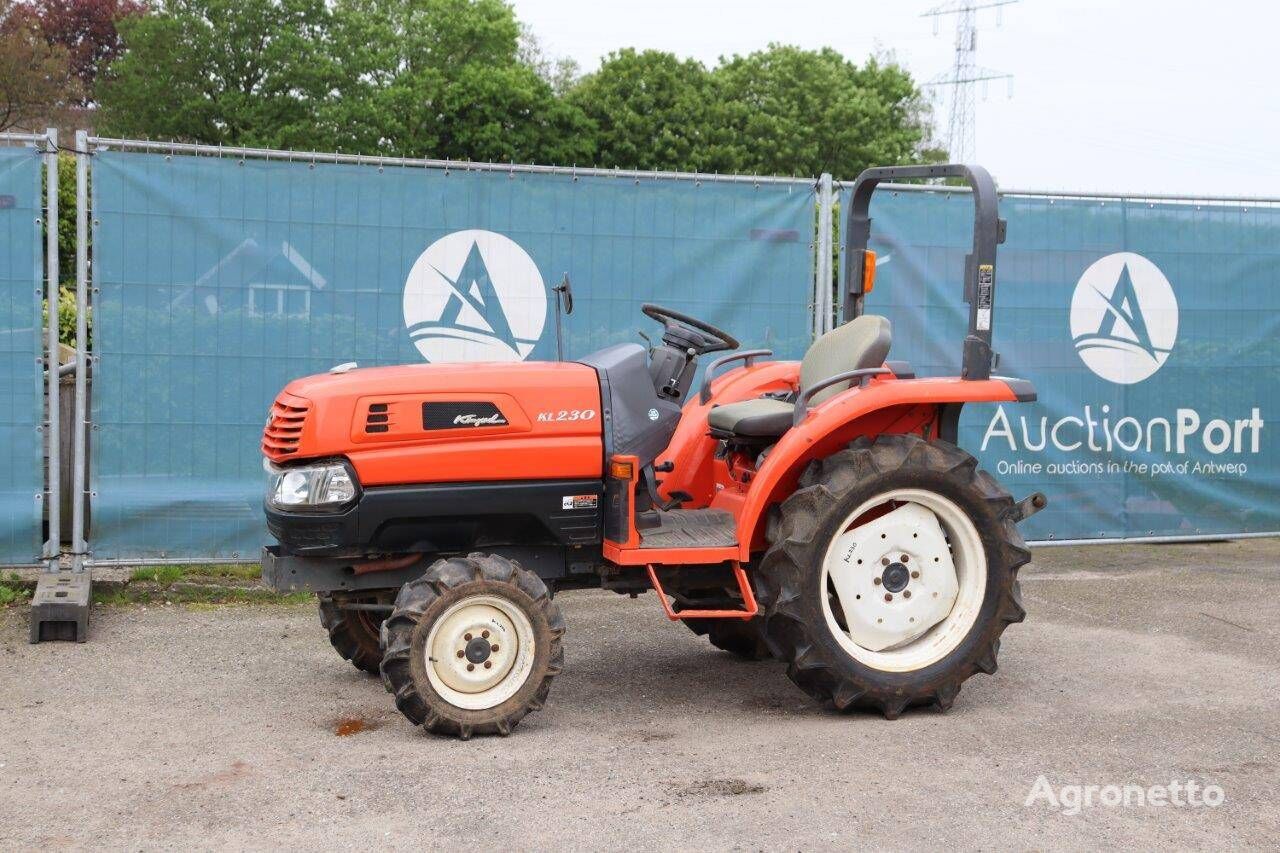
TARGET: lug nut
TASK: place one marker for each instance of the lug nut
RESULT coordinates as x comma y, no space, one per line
884,561
470,667
466,637
461,653
906,593
915,574
876,581
488,664
905,557
494,647
888,597
484,634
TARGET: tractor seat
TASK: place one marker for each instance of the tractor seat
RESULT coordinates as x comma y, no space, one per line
861,343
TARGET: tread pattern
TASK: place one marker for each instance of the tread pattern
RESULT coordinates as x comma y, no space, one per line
354,638
742,637
445,581
800,529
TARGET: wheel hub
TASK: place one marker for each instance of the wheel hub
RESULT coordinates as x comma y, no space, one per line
894,576
474,647
478,650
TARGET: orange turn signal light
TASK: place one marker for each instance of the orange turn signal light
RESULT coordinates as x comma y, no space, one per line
621,470
868,271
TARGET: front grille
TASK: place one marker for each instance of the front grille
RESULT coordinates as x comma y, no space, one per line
284,427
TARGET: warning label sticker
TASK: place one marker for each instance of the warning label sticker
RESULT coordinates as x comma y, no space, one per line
986,283
580,502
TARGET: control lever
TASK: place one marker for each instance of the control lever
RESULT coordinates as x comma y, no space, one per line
564,300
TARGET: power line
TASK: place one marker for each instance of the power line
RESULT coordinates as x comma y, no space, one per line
965,72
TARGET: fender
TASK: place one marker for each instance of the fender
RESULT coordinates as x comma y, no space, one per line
882,406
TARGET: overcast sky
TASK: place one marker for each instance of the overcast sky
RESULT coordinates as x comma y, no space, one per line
1141,95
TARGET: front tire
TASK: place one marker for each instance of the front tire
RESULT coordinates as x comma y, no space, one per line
355,634
866,527
472,646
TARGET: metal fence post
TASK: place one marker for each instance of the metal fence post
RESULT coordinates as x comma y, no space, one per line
79,546
53,544
822,286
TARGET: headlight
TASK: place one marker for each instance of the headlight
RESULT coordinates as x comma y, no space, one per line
307,486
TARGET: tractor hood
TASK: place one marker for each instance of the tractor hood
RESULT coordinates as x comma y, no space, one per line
428,423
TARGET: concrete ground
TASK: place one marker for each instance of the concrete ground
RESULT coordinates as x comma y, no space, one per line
215,728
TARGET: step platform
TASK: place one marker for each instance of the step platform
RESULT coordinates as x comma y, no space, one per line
691,528
60,607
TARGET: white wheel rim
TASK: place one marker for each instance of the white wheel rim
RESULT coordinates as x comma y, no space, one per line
464,680
904,628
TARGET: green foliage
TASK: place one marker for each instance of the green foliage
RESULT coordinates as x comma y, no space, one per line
66,251
67,218
461,79
653,110
794,111
66,316
246,72
442,78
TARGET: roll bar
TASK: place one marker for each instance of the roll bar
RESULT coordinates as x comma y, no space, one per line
979,265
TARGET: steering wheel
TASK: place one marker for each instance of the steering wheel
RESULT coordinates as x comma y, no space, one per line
705,337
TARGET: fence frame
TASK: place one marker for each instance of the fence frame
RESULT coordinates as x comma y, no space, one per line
47,144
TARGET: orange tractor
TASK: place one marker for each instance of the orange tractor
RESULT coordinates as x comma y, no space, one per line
818,512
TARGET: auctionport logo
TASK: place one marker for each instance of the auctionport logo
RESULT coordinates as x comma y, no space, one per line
1124,323
475,296
1124,318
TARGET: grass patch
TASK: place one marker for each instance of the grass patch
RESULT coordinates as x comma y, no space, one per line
147,593
13,590
163,575
170,574
197,585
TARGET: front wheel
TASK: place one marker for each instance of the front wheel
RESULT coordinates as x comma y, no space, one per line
891,574
472,646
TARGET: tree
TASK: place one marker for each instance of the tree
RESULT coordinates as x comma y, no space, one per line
561,72
86,28
792,111
36,82
444,79
653,111
240,72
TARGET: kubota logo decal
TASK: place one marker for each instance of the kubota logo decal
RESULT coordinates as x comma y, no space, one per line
1124,318
475,296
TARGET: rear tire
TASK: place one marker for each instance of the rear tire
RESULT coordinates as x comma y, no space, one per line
807,622
744,638
354,634
741,637
472,646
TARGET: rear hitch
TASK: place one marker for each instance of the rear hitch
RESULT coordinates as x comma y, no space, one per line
1029,506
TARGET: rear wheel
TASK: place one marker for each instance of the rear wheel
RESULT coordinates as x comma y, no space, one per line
354,631
472,646
891,575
